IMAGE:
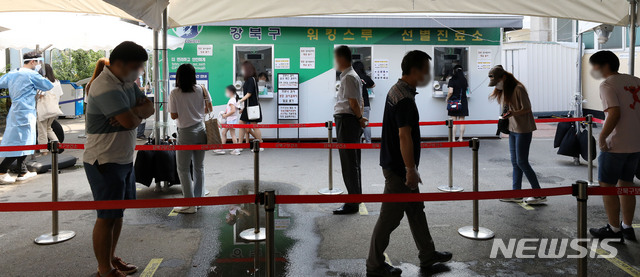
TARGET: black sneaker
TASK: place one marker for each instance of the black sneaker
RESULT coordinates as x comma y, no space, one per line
385,271
628,233
606,233
438,257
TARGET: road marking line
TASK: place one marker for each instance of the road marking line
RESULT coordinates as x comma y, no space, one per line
620,264
151,268
138,189
173,212
387,259
635,225
363,209
526,207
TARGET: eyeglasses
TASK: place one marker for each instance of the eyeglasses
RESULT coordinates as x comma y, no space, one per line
490,76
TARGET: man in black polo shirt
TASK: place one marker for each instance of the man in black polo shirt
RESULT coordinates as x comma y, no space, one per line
399,158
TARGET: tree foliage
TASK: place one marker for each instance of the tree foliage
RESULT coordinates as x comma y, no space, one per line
74,65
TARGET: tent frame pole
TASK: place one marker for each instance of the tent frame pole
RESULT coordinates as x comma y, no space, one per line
165,74
156,87
633,13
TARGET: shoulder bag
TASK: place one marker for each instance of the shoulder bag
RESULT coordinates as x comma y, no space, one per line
253,112
211,125
455,105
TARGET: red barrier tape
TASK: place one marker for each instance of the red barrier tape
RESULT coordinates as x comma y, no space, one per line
271,126
420,197
310,145
598,120
613,191
379,124
191,147
23,148
280,199
125,204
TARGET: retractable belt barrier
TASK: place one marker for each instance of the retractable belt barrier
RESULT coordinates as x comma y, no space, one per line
379,124
305,199
281,199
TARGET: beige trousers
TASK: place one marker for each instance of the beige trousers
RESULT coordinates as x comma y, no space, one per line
45,132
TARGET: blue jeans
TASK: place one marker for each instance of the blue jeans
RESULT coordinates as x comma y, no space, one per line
519,144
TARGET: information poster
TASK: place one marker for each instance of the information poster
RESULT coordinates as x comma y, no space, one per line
288,96
288,80
202,78
381,69
484,59
205,50
282,63
288,112
307,57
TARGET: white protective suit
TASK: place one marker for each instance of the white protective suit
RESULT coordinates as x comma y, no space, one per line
23,85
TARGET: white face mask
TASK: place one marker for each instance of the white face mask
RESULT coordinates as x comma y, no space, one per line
500,85
38,67
425,81
596,74
131,77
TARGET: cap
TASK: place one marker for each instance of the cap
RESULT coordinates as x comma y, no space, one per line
495,74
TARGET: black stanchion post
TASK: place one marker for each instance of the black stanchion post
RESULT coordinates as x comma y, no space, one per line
580,192
330,190
269,209
450,187
55,236
589,151
475,232
255,234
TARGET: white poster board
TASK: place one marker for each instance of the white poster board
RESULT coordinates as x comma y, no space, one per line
484,59
307,57
282,63
381,69
288,80
288,112
205,50
288,96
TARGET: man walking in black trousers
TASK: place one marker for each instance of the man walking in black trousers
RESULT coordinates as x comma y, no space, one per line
399,159
349,125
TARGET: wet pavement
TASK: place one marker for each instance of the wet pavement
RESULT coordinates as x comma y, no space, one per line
310,241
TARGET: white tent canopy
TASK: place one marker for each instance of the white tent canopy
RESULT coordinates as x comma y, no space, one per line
73,31
192,12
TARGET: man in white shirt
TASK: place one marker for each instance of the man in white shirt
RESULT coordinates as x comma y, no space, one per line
349,125
619,145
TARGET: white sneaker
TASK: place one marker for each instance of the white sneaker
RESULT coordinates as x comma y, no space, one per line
535,200
26,176
235,152
186,210
7,179
219,152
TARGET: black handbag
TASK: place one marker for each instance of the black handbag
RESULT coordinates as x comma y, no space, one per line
570,145
561,131
583,139
503,123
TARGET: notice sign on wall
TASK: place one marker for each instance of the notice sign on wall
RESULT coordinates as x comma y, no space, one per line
288,96
381,69
288,112
287,80
282,63
484,59
307,57
205,50
202,78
